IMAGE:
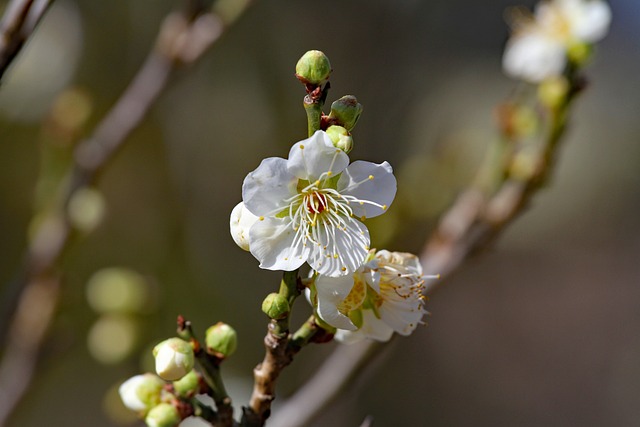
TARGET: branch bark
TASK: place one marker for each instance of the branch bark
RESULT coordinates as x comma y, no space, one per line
18,23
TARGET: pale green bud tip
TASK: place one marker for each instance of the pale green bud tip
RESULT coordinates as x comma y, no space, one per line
174,359
141,392
187,386
313,68
163,415
221,340
276,306
346,111
552,92
340,137
579,52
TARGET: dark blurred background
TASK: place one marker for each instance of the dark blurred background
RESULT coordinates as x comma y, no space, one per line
541,329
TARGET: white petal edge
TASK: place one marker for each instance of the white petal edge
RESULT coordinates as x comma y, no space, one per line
331,292
272,243
265,190
351,245
314,156
381,189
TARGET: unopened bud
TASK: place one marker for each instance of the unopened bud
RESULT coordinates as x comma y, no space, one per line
313,68
221,340
276,306
187,386
174,359
163,415
552,92
346,111
141,392
579,52
340,137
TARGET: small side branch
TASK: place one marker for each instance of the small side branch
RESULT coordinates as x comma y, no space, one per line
18,23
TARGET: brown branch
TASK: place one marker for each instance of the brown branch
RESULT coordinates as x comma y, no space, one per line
474,220
18,23
183,38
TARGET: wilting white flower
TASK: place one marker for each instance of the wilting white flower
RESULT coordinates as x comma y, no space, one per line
382,297
141,392
240,223
309,207
538,48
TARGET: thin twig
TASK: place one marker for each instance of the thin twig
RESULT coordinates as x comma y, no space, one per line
18,23
182,39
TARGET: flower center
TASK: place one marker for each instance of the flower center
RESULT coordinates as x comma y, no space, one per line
316,202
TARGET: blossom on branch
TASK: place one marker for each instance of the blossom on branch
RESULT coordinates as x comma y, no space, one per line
541,43
381,297
310,207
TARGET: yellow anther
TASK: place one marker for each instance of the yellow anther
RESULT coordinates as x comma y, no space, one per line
384,207
301,147
361,203
335,256
344,269
370,176
362,218
261,218
329,173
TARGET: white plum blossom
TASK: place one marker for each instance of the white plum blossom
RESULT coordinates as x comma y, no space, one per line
310,207
381,297
539,46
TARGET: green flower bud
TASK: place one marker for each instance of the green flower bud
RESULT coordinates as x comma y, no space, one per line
579,52
276,306
163,415
141,392
346,111
221,340
187,386
174,359
340,137
552,92
313,68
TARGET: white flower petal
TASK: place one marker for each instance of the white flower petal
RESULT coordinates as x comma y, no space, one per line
349,337
368,181
399,317
266,189
129,393
339,251
240,223
314,156
533,56
275,245
592,22
374,328
331,292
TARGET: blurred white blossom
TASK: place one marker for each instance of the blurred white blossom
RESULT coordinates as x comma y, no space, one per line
540,44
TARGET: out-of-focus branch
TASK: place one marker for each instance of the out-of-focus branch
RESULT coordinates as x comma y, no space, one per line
183,38
474,220
18,22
